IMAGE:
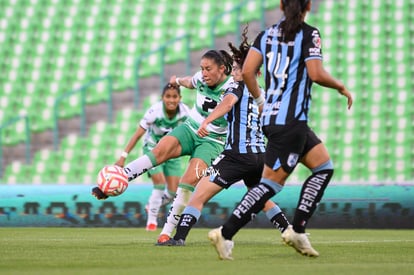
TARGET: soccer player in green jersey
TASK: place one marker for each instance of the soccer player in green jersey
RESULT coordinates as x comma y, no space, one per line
159,120
242,158
210,84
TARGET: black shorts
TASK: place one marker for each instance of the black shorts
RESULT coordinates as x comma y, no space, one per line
287,144
229,168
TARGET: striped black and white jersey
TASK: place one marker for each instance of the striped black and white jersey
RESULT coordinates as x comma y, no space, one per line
288,86
244,133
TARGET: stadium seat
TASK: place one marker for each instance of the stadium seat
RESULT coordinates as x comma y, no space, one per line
51,47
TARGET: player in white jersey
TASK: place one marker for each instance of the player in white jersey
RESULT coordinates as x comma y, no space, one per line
158,121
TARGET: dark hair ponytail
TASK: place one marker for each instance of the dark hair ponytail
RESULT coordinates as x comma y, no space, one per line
240,53
220,57
293,10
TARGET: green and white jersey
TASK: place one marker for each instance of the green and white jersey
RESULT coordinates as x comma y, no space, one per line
157,124
207,99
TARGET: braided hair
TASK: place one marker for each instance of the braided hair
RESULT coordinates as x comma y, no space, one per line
293,10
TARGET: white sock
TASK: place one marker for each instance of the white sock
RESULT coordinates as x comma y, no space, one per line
167,197
154,204
137,167
178,205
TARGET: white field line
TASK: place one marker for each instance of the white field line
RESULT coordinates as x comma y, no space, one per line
362,241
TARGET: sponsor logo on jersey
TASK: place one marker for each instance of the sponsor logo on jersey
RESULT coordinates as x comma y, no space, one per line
314,51
274,32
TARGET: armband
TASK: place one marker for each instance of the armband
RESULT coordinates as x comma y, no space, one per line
177,80
124,154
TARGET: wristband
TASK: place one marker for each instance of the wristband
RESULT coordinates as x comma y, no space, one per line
177,80
124,154
259,100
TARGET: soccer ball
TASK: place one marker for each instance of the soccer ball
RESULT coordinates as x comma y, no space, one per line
112,180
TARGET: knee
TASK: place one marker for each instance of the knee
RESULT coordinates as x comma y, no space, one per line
161,154
328,165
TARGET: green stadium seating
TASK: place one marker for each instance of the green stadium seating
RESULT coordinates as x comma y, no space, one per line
51,47
364,142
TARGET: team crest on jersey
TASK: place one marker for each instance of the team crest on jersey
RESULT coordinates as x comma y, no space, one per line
292,159
317,41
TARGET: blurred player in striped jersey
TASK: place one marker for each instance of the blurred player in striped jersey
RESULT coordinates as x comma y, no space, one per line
291,53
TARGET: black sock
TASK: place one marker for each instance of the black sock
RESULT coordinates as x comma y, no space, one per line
280,221
311,194
184,226
252,202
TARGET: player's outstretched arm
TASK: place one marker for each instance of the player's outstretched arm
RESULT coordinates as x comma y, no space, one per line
319,75
182,81
131,144
223,108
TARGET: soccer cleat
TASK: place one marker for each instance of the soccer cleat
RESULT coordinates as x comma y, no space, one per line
172,242
223,247
162,239
97,193
151,227
299,241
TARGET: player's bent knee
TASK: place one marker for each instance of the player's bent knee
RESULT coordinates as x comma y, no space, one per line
328,165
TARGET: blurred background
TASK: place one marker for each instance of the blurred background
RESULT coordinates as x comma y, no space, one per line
77,76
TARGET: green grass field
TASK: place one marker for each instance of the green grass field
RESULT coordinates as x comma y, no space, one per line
257,251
